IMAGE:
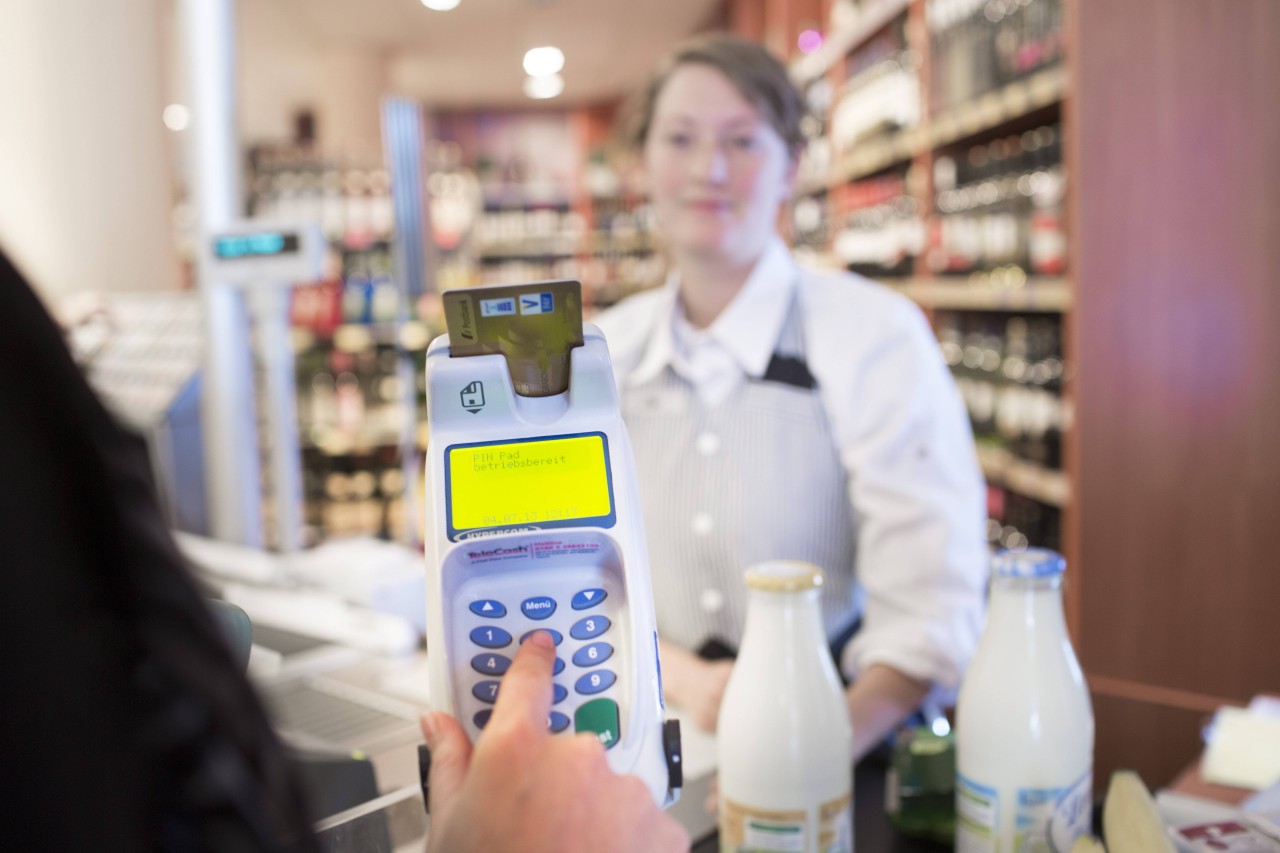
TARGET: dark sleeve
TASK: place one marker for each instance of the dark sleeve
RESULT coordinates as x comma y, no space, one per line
127,726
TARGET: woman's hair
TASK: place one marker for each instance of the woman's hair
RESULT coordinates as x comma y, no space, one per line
754,72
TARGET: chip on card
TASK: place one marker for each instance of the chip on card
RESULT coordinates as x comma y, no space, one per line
534,326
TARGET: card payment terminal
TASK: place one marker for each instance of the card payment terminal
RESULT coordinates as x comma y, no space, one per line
533,522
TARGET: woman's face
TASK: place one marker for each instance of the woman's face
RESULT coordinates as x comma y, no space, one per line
717,170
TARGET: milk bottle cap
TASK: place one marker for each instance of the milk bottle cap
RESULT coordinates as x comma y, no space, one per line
784,576
1029,563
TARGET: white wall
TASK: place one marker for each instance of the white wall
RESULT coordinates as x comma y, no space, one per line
283,68
85,192
88,171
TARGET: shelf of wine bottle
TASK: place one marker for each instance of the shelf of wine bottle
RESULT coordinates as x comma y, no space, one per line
1017,521
988,292
1046,485
870,19
987,113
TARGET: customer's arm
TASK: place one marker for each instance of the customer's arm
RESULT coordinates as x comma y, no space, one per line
519,788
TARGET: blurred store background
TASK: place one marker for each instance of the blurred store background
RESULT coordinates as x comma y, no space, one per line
1084,197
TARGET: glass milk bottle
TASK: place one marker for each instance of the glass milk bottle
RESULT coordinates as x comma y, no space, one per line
784,739
1024,723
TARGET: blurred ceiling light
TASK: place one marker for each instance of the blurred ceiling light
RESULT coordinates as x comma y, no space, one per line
177,117
440,5
547,86
809,41
541,61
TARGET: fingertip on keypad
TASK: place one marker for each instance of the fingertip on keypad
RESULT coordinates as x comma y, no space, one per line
556,636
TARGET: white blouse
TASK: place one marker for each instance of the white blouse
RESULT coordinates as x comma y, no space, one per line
898,429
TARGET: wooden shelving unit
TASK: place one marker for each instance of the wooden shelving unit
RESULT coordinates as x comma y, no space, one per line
1171,477
1050,295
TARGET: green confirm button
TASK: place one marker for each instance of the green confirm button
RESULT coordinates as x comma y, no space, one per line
601,717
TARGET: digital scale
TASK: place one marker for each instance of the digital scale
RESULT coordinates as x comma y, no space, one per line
534,523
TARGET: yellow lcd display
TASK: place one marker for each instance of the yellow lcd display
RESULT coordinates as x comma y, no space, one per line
557,481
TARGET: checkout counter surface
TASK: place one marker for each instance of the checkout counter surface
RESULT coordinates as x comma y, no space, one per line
397,822
390,816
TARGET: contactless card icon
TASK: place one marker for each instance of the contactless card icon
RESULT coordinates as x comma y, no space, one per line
473,397
536,303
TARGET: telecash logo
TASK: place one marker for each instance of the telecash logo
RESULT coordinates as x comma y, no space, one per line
498,552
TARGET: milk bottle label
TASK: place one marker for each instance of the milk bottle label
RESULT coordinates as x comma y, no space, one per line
1072,813
744,829
835,826
1045,820
977,817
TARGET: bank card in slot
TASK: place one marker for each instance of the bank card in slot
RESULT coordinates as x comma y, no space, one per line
534,326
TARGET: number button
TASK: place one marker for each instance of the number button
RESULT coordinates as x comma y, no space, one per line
558,693
490,664
592,654
490,638
595,682
539,607
559,668
557,722
486,691
588,598
592,626
488,608
556,636
481,718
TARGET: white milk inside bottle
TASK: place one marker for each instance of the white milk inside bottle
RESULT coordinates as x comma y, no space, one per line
784,739
1024,723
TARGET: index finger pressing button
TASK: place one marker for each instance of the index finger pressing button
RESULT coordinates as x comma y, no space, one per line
556,636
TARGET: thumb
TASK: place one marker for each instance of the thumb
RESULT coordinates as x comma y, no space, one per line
450,758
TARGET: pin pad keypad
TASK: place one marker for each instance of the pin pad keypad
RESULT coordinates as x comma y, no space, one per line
588,677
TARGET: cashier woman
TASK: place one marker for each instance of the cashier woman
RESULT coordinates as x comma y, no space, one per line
778,413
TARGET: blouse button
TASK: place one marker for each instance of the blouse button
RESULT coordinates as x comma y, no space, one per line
707,443
702,524
712,600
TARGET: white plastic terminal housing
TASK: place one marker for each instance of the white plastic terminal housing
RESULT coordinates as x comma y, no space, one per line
472,400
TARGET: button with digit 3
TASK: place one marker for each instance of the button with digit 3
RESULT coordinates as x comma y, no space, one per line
592,626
